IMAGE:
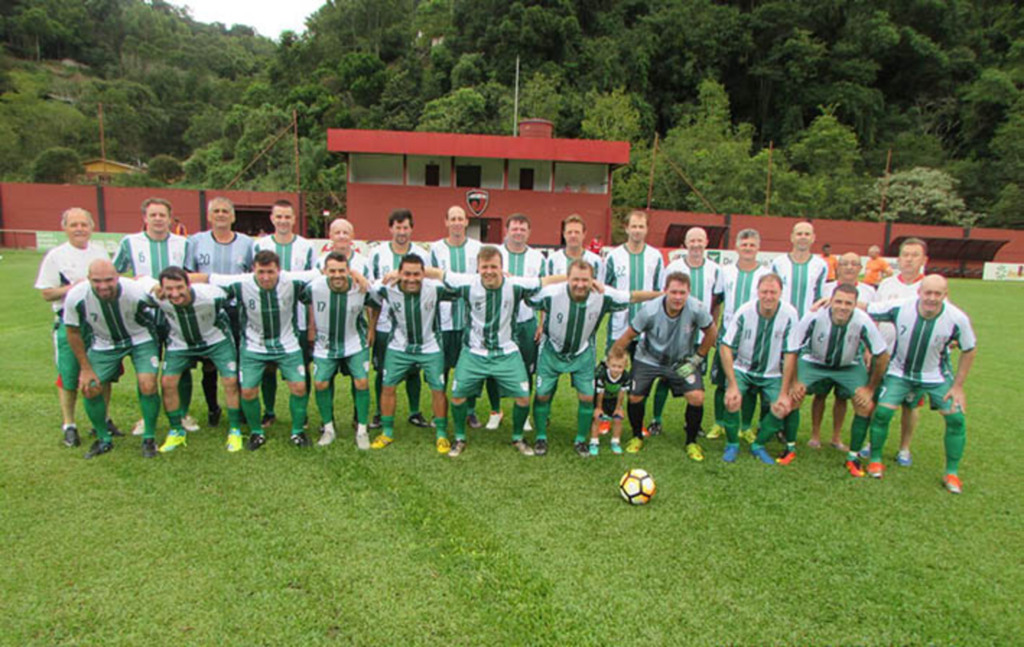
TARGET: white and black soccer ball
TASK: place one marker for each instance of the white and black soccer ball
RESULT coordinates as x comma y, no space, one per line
637,486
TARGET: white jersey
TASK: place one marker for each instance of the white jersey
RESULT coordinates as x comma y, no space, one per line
865,293
922,345
208,256
384,260
338,317
198,325
296,256
570,325
702,279
413,315
627,271
558,263
826,344
526,264
758,343
66,264
801,282
147,257
492,312
736,288
894,289
267,316
111,325
461,260
356,262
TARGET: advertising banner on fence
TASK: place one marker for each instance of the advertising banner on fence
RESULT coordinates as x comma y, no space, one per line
1003,272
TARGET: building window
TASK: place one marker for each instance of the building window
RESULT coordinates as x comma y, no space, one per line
467,176
433,175
526,179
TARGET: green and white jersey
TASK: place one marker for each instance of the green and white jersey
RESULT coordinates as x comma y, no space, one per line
491,312
627,271
413,316
66,264
356,262
526,264
296,256
147,257
801,282
338,317
824,343
865,293
383,260
737,287
267,316
461,260
922,345
758,342
702,279
202,323
111,325
570,325
894,289
665,340
558,263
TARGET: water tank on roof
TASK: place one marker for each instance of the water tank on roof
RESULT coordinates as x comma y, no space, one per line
539,128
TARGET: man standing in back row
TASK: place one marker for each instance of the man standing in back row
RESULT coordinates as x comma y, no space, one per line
632,266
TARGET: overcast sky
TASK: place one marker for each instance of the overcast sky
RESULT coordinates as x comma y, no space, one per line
268,18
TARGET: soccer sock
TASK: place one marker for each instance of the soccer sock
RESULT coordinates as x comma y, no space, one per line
441,427
362,399
470,402
792,426
956,440
858,432
185,392
493,395
210,389
748,408
269,389
635,411
519,416
251,408
234,419
660,399
175,418
720,412
732,427
541,414
388,424
880,431
150,412
459,419
413,388
584,419
298,405
378,386
693,417
699,415
770,425
96,409
325,404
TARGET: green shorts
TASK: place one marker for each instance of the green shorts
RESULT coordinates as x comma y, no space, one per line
820,379
524,333
507,370
398,364
452,342
252,365
356,366
768,387
107,363
550,367
896,391
67,363
222,354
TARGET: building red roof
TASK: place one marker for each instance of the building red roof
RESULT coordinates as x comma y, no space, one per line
396,142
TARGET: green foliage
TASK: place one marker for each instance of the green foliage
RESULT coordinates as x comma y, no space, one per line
921,195
611,116
57,165
165,168
462,111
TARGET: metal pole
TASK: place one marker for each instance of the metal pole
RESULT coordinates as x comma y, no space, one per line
515,110
768,188
885,185
103,143
650,182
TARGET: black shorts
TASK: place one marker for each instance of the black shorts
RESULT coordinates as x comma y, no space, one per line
644,375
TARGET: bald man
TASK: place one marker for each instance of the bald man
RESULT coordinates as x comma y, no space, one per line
115,315
926,328
803,274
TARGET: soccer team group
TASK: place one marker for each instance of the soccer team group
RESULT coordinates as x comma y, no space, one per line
507,320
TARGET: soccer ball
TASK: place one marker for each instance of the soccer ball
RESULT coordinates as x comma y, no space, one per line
637,486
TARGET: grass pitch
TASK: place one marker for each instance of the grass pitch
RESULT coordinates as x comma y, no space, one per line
403,546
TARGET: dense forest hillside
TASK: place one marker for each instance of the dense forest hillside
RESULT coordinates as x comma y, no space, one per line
824,93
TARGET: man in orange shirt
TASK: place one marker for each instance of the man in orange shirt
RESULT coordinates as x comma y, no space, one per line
877,268
830,260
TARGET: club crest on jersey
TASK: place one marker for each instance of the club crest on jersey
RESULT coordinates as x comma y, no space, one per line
477,201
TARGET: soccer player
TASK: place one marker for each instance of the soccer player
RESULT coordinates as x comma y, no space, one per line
633,265
457,254
611,386
414,344
574,230
830,342
735,288
297,255
573,314
491,351
340,344
926,328
64,267
266,300
912,260
803,274
220,250
198,327
666,351
847,271
383,260
703,275
522,261
758,335
877,268
342,235
114,315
